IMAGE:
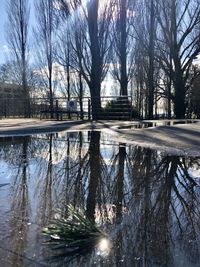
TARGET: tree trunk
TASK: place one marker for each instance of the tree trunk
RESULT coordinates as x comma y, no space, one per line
51,94
81,96
96,66
179,85
123,60
179,100
169,98
68,82
95,103
151,61
27,108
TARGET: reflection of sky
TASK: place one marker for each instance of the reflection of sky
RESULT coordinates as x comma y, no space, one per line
5,172
51,184
195,173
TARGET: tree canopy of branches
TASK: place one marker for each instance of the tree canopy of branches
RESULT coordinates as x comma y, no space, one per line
122,43
178,45
149,47
45,36
17,37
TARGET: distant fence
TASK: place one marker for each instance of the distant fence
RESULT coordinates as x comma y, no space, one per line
63,109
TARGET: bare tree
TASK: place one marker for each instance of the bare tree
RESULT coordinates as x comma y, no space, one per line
17,37
63,57
123,43
10,72
69,52
145,34
93,54
44,34
179,44
78,62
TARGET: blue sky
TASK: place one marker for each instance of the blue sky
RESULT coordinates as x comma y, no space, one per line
3,19
2,30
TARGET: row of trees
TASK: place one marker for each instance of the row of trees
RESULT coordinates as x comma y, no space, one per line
147,47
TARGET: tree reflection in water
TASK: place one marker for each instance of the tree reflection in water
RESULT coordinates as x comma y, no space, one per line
146,201
19,205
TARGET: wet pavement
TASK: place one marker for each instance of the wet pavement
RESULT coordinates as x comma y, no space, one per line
147,201
171,136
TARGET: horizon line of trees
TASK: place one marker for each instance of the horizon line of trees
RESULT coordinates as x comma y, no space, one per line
146,47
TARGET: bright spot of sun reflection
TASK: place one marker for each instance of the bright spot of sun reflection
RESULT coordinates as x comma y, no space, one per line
104,247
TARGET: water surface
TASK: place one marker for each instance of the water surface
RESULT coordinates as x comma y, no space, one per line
146,201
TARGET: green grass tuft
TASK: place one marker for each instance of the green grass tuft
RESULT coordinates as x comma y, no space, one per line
72,233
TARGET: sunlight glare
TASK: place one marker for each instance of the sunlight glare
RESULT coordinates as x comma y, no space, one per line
104,247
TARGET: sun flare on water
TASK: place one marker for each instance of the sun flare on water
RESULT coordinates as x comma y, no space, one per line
104,247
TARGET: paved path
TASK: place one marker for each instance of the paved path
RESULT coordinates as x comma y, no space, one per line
177,139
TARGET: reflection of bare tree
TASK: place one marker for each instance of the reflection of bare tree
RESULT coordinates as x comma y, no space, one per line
46,198
82,174
20,204
120,180
95,172
75,164
149,202
78,190
73,172
164,204
119,187
117,170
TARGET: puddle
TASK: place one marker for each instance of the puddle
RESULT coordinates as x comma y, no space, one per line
149,124
148,203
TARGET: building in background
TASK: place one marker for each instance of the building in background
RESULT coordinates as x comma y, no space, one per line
11,100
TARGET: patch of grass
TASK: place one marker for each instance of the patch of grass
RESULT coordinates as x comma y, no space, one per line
71,233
